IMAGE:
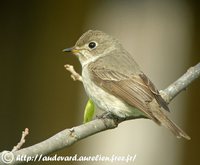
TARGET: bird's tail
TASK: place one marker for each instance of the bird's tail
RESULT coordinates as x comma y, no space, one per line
165,121
177,131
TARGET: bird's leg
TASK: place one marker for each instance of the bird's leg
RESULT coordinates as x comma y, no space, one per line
104,115
109,115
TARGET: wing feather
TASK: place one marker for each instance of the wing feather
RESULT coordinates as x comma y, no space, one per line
138,91
131,89
156,93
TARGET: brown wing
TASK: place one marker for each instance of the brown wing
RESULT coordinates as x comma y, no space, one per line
138,91
131,89
155,92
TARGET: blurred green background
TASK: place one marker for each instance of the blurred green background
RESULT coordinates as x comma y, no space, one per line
38,93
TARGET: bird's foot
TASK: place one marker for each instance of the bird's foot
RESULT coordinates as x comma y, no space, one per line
109,115
105,115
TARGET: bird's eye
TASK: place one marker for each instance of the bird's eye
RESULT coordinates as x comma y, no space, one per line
92,45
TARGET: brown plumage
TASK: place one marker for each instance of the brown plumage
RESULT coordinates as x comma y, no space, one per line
139,92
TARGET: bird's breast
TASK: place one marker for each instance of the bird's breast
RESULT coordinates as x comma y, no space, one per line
104,100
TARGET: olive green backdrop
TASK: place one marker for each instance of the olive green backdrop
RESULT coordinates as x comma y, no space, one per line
36,91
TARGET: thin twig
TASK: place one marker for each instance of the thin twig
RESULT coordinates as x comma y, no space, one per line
74,75
22,140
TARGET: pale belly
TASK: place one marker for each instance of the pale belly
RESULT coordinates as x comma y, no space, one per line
106,101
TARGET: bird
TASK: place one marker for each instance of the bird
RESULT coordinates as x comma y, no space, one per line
116,84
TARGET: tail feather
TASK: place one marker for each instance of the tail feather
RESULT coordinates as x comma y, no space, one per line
165,121
177,131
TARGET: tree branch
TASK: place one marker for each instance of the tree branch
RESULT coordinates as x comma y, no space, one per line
74,75
179,85
22,140
68,137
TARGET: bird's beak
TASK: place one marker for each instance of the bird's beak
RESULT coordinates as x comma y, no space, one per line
72,49
68,49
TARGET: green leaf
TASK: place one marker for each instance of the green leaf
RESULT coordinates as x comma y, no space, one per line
89,111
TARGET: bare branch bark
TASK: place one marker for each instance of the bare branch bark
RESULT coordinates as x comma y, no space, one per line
74,75
68,137
179,85
22,140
